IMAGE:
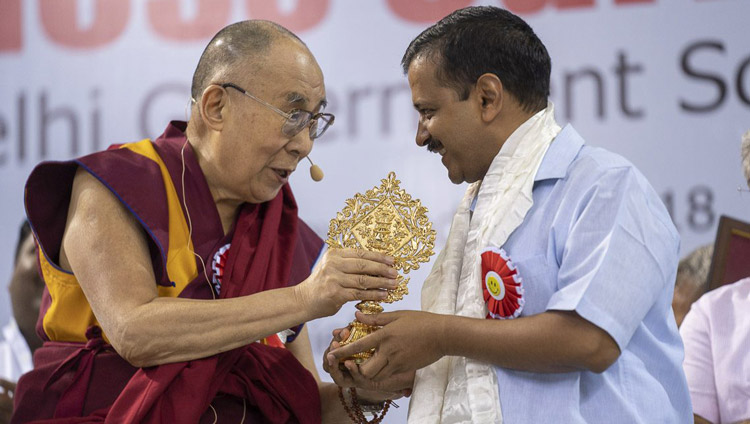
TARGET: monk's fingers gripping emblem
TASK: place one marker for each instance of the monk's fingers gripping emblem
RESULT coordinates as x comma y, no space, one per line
361,265
362,282
367,255
366,267
368,294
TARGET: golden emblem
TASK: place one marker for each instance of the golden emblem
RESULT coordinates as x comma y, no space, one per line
385,219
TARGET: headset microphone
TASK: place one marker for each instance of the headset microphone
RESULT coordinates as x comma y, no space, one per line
315,172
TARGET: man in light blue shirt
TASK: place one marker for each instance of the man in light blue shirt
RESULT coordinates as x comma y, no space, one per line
598,241
551,301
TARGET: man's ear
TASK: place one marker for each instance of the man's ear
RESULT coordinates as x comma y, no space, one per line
490,94
212,104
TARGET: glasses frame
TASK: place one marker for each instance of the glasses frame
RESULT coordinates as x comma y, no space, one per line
289,118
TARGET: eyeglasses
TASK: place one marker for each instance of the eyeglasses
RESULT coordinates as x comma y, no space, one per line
297,119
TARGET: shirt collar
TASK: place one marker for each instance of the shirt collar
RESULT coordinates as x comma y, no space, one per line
560,155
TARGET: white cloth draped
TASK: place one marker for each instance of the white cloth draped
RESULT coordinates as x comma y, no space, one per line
457,389
15,356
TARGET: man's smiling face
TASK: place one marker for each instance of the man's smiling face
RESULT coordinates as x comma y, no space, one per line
449,126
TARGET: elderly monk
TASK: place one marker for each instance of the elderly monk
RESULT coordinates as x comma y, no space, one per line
178,272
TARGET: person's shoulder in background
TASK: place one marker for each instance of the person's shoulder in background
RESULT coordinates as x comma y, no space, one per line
716,333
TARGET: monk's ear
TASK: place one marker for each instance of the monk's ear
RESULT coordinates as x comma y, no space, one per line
490,95
212,106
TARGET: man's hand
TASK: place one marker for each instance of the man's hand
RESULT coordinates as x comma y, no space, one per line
347,374
408,341
7,389
343,275
550,342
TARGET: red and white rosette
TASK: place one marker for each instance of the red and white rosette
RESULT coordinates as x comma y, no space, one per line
502,287
218,264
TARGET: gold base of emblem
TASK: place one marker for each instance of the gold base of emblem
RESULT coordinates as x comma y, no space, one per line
357,330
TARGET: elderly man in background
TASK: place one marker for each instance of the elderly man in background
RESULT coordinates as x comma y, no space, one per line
716,332
552,295
178,272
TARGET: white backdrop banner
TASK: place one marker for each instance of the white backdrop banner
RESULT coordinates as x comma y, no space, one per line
666,83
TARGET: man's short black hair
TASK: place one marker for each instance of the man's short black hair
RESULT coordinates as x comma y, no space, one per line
484,39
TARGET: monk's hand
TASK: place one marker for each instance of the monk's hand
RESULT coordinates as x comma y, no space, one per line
7,389
339,335
346,374
407,341
343,275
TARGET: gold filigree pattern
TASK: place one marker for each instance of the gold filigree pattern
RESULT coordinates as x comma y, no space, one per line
385,219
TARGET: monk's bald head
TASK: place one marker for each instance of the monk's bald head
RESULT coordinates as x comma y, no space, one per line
242,43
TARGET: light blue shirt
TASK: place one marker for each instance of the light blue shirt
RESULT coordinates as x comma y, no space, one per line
599,241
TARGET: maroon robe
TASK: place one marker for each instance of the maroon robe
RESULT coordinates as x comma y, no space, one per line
270,248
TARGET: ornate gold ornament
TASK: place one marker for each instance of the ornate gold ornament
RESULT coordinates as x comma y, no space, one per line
385,219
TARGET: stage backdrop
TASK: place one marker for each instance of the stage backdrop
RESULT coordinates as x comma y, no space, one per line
666,83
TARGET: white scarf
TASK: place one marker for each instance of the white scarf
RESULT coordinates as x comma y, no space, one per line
457,389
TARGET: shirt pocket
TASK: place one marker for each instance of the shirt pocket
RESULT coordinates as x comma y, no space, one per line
538,281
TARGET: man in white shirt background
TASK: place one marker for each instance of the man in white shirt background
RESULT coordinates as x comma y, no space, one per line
716,333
